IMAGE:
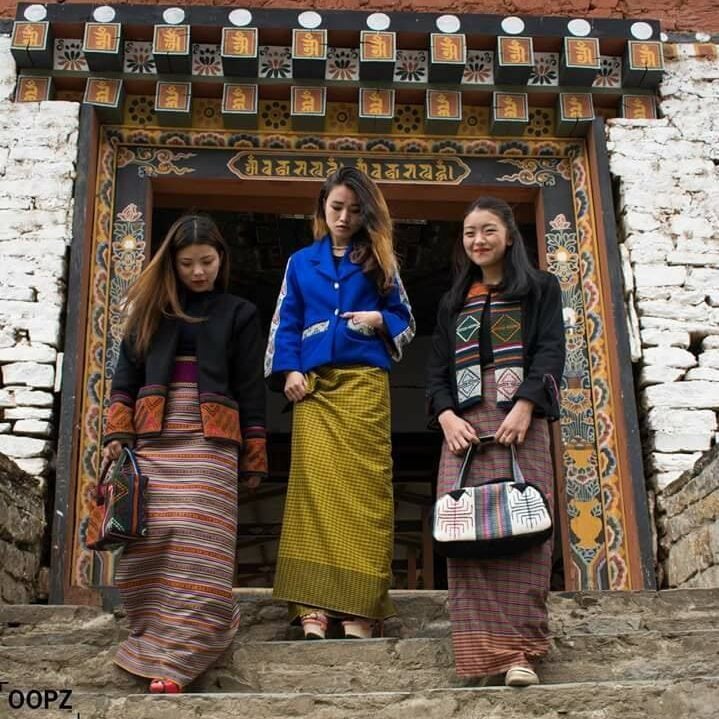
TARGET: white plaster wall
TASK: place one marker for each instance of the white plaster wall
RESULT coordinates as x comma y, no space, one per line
668,216
38,152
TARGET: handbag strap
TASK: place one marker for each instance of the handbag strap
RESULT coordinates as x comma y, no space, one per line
517,474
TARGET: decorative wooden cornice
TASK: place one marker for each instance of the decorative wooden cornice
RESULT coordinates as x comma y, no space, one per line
443,62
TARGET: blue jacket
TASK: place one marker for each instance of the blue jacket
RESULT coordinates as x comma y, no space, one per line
307,330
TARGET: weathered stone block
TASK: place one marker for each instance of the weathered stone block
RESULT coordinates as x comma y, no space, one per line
669,357
683,395
33,426
22,446
28,413
665,338
702,512
676,461
34,466
703,373
691,554
32,374
656,374
28,353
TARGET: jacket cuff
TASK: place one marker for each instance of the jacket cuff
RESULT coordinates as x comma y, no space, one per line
253,458
120,424
399,334
435,408
544,394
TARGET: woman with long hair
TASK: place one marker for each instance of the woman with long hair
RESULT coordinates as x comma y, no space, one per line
495,366
341,316
188,394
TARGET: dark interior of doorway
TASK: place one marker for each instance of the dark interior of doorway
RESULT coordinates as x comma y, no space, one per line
260,244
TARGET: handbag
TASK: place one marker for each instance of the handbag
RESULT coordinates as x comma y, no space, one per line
118,516
499,518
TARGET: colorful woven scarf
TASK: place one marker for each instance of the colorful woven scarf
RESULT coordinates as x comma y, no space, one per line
506,334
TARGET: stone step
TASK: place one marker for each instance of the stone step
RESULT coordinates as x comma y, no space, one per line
391,664
420,614
679,699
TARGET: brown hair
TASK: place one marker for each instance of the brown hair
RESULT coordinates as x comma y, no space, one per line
372,244
156,292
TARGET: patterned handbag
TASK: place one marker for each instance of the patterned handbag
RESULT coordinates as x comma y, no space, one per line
494,519
118,516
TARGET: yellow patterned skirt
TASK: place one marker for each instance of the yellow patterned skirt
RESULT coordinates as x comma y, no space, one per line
338,529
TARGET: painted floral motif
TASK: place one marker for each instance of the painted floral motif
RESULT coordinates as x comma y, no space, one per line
411,66
533,172
475,121
206,60
140,110
342,64
541,122
275,62
275,115
408,119
138,58
154,161
479,68
610,72
206,113
342,117
545,70
68,55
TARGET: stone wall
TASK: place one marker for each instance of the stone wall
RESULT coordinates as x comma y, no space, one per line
668,213
688,522
22,524
38,150
673,14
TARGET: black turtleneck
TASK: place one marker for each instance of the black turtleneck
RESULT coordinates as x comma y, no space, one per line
195,305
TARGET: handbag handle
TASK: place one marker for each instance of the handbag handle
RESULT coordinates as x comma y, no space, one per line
106,464
517,474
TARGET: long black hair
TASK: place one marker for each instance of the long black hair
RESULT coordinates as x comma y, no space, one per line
518,278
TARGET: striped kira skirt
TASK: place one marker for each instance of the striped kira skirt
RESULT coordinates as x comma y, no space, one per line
176,585
497,607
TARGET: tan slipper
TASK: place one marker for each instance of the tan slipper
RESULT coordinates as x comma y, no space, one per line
358,628
520,677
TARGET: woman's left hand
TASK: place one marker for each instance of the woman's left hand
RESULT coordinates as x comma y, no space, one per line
371,318
514,428
253,482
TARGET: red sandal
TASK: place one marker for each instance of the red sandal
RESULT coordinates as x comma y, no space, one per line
164,686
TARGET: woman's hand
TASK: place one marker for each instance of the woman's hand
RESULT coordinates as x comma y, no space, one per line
112,451
253,482
514,427
458,433
371,318
295,386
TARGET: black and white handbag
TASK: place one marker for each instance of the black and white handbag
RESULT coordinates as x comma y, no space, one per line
499,518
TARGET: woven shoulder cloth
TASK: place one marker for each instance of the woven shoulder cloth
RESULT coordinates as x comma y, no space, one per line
499,518
118,516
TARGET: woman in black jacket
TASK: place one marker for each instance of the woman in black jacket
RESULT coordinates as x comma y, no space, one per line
188,394
494,370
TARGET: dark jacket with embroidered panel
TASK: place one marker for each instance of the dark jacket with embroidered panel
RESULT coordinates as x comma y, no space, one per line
229,349
543,349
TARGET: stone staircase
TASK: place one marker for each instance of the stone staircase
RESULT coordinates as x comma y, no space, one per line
628,655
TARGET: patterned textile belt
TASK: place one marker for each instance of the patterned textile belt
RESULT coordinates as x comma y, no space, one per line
185,370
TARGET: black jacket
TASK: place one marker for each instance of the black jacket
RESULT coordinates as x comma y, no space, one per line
543,340
231,388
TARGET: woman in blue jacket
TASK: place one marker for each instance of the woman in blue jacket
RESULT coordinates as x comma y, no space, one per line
342,315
